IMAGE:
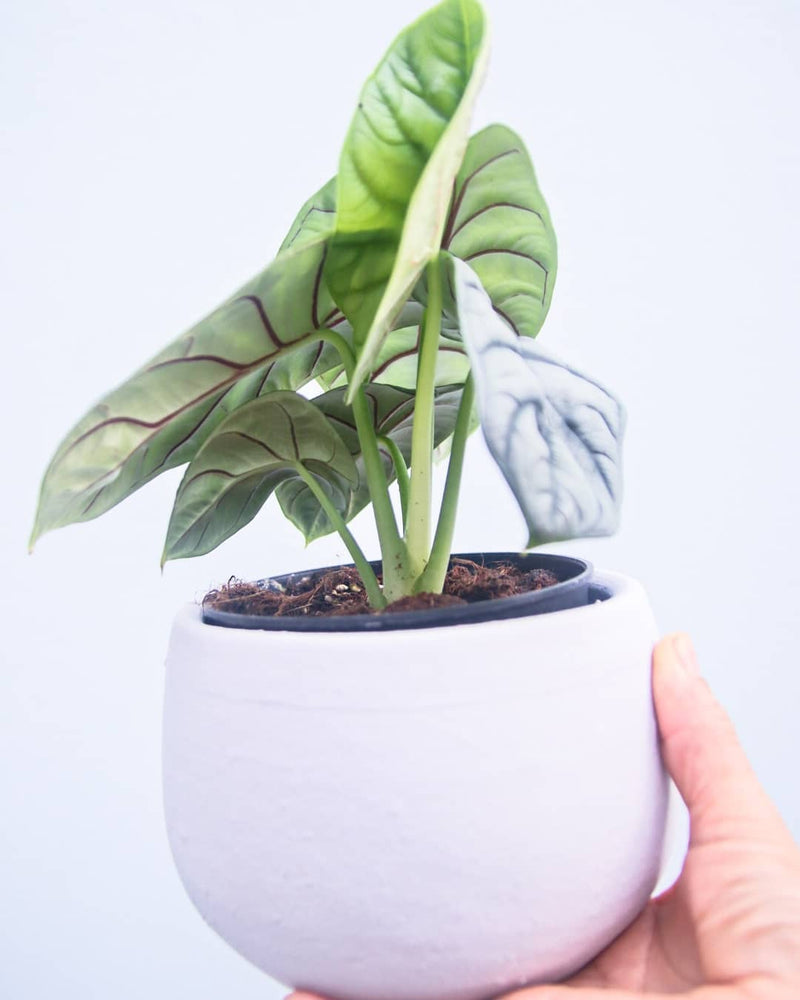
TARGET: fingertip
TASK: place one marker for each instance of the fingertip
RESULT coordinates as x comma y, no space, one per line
701,749
674,657
676,680
683,652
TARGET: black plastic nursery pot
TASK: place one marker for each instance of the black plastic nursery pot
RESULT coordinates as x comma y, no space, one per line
574,589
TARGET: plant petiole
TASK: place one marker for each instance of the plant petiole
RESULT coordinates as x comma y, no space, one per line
419,494
432,579
370,581
393,548
401,471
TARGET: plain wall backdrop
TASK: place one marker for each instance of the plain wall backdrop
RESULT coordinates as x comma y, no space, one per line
153,153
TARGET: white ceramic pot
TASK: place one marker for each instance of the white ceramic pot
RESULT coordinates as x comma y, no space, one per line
438,814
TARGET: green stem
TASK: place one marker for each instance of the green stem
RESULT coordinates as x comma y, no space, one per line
432,580
371,585
393,548
388,535
419,496
344,349
401,470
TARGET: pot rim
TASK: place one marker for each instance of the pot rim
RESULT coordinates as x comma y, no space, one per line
413,668
574,589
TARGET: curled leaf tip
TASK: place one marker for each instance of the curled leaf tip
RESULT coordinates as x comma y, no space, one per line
555,434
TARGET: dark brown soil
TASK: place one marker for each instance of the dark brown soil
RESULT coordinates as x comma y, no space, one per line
422,602
341,592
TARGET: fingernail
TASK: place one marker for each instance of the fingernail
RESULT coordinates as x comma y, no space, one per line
684,649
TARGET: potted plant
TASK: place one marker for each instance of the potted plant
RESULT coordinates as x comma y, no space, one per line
438,803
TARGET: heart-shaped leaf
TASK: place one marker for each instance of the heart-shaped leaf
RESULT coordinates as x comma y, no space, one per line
397,168
262,338
392,412
500,225
555,434
263,444
499,222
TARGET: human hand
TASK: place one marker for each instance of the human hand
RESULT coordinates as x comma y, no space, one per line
729,929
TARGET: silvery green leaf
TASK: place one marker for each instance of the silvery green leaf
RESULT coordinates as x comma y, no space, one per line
555,434
261,339
263,444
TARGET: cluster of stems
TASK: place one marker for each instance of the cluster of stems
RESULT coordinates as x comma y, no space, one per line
412,562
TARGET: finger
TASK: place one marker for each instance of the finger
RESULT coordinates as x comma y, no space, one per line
601,993
576,993
704,756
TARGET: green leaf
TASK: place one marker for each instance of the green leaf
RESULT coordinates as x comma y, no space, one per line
396,362
397,167
392,412
500,225
262,338
499,222
317,218
265,443
555,434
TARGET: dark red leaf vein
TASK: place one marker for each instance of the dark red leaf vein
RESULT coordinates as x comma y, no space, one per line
215,358
459,198
264,318
489,208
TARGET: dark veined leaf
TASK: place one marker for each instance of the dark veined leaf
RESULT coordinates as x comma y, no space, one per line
392,412
317,218
396,363
500,225
397,168
555,434
396,360
499,222
261,339
265,443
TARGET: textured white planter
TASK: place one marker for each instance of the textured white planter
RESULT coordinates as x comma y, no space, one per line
439,814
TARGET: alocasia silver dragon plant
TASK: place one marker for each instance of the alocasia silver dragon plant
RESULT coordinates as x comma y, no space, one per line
409,288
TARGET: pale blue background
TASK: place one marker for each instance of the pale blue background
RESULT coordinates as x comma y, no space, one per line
152,155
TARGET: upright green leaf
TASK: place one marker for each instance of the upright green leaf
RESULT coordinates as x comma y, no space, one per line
263,337
263,444
396,172
392,414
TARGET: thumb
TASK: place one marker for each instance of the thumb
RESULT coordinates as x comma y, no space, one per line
704,756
